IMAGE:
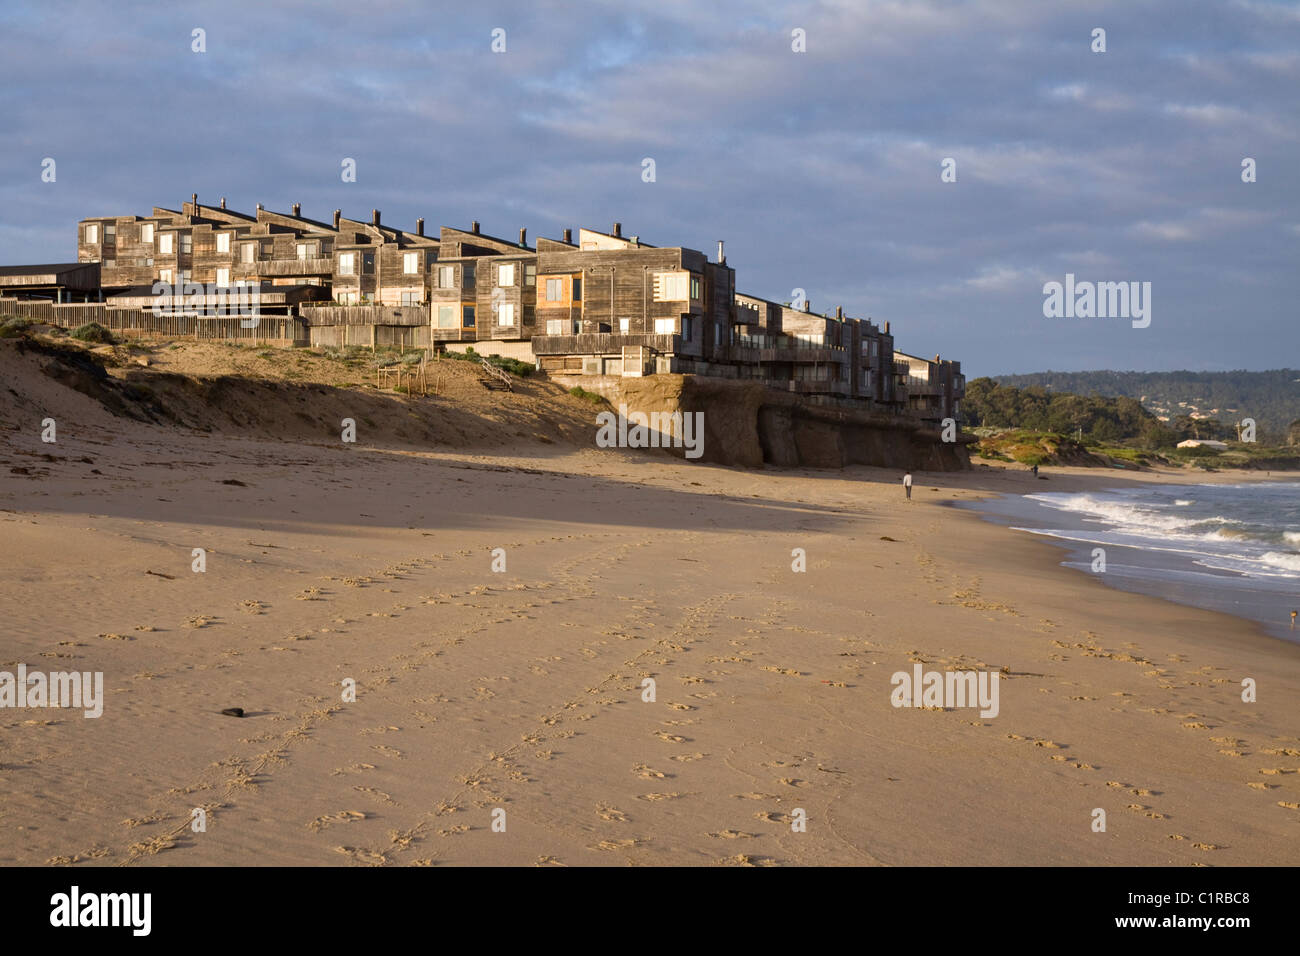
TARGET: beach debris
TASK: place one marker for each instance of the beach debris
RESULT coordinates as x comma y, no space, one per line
233,712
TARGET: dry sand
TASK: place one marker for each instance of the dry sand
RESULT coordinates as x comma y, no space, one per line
522,689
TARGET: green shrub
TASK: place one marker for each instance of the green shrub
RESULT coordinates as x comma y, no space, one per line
95,333
579,392
12,326
512,365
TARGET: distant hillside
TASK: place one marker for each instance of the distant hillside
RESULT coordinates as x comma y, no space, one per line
1271,398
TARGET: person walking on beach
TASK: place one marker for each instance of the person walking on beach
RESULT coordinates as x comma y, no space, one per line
907,488
1035,471
1293,614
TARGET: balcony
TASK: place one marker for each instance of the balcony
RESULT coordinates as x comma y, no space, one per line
285,267
600,343
786,353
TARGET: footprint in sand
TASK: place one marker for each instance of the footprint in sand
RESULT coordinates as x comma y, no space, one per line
611,813
616,844
329,820
670,738
661,796
733,835
360,855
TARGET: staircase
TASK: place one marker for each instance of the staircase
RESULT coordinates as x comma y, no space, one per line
494,379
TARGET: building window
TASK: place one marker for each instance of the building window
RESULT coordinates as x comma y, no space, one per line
686,328
468,275
411,298
165,243
625,325
530,275
223,278
671,286
304,250
223,242
695,288
555,326
446,277
506,314
146,232
110,234
367,263
554,290
577,289
467,316
92,234
347,262
247,252
446,316
411,263
665,326
165,275
187,244
720,333
506,275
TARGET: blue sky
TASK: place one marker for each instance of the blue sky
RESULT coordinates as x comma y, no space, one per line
821,170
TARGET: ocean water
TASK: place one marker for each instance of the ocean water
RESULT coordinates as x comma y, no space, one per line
1233,548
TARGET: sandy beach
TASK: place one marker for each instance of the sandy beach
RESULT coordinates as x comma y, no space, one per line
521,689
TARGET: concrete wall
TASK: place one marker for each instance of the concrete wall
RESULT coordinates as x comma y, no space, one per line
522,351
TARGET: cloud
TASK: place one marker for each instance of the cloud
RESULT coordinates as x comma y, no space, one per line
820,169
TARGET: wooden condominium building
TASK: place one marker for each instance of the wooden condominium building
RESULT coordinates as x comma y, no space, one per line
605,304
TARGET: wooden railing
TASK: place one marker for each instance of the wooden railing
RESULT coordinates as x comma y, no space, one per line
500,374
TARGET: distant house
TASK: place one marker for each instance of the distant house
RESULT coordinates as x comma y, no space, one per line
1203,443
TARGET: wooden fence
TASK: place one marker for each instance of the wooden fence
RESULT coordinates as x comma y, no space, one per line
271,330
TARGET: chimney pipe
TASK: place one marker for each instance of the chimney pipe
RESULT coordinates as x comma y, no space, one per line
297,209
839,312
337,214
722,256
223,202
374,217
473,227
807,305
523,237
568,236
419,227
194,199
259,207
886,328
936,360
618,230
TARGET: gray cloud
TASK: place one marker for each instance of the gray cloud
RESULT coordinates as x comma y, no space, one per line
820,169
